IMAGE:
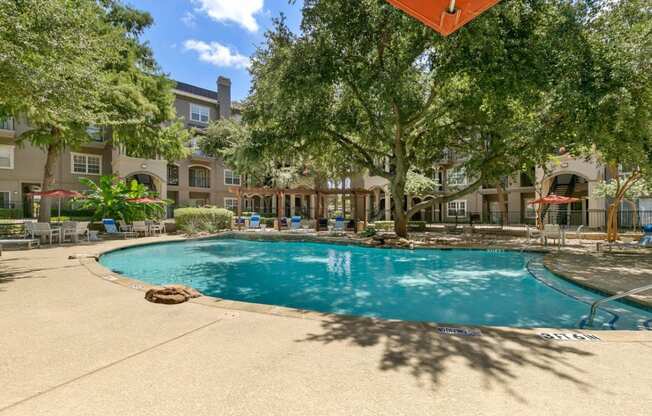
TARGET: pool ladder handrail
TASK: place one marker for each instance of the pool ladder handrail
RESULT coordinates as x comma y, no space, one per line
595,305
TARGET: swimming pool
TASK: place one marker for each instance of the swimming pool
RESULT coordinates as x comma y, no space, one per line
473,287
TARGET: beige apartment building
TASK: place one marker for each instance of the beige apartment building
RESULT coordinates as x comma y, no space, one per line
200,180
196,180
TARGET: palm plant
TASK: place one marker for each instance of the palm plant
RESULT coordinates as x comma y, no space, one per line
110,198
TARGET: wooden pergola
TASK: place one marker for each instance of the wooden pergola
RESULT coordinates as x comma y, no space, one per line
279,194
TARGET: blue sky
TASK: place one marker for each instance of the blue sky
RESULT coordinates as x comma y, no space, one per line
194,41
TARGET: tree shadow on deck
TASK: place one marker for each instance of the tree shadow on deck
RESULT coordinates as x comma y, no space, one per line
426,354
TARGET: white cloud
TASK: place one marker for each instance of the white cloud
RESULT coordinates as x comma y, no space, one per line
189,20
239,11
217,54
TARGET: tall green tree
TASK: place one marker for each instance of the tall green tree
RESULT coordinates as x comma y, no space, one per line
66,65
365,82
616,100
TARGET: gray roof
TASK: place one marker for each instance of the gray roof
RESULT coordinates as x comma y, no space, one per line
191,89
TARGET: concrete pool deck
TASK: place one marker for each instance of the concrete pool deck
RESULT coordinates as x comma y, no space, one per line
75,344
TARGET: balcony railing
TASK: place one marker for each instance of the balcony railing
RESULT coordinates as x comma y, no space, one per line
6,123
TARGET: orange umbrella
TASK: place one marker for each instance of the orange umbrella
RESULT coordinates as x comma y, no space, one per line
553,199
445,16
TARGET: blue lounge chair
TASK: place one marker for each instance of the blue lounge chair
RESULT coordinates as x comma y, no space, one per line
339,224
239,222
111,228
646,241
295,223
254,221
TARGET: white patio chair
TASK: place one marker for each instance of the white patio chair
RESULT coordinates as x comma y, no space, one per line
124,227
74,230
140,227
155,227
552,232
44,229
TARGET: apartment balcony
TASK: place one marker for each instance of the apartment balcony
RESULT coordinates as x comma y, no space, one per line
7,128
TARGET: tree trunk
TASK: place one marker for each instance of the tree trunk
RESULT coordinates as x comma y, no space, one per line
48,176
501,203
400,212
612,221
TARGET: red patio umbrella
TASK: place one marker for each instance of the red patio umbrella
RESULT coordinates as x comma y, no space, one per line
553,199
58,194
445,16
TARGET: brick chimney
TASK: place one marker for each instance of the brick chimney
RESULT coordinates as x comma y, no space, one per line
224,96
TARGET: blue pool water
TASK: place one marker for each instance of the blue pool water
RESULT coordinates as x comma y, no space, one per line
447,286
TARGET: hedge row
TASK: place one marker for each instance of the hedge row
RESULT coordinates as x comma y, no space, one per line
194,220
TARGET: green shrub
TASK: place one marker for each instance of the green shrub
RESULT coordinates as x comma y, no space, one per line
369,231
10,213
194,220
417,226
384,225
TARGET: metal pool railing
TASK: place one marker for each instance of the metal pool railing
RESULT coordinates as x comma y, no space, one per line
595,305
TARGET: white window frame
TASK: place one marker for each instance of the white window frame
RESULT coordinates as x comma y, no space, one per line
232,200
201,109
12,155
458,171
457,203
85,155
233,176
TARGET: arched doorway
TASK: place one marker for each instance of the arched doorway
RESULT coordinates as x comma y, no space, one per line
144,179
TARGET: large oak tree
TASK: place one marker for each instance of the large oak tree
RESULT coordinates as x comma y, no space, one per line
366,83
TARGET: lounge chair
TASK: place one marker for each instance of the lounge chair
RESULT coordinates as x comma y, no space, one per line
140,227
322,224
284,222
240,222
112,229
44,229
75,230
339,225
646,241
254,221
295,223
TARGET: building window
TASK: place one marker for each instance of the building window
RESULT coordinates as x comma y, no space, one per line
457,177
86,164
173,175
5,199
6,157
230,178
199,113
457,209
199,177
231,203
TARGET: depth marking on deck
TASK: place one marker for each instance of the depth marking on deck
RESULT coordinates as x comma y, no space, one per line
569,336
